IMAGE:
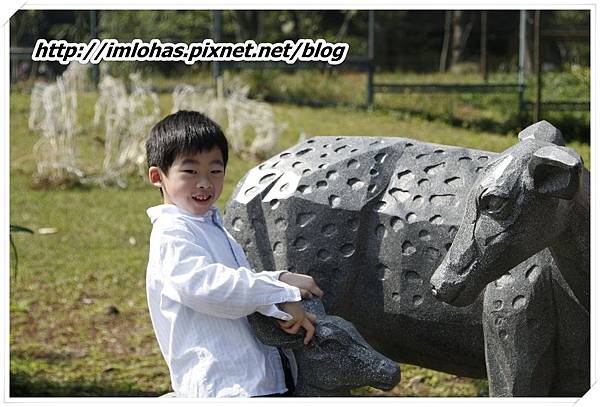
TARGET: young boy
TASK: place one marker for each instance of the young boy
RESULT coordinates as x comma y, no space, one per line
200,286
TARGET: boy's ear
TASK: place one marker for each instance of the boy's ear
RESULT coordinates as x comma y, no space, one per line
155,176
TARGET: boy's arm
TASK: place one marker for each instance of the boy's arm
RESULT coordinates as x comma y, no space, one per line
191,277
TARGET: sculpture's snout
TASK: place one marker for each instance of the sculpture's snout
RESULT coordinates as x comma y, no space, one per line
389,372
442,288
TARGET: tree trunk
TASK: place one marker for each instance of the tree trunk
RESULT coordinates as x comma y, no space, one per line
446,42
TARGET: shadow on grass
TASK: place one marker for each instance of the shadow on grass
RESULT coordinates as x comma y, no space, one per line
26,385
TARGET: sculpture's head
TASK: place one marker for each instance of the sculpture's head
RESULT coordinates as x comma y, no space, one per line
337,359
518,206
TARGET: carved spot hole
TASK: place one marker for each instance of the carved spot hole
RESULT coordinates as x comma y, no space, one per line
334,201
278,248
251,191
396,297
380,206
237,224
396,223
304,189
284,155
321,184
519,302
303,151
353,224
355,184
323,166
373,172
498,305
413,278
533,272
347,250
297,164
436,220
423,182
424,235
323,255
434,169
408,248
274,204
411,217
399,195
353,164
452,181
418,200
301,244
281,223
372,188
340,148
331,175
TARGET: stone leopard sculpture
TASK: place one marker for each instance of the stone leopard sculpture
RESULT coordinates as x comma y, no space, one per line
336,361
370,219
534,195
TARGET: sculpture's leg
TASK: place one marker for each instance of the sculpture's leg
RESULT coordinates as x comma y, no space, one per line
572,344
519,325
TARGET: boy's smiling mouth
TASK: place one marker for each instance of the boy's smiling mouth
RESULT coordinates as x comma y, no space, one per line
201,197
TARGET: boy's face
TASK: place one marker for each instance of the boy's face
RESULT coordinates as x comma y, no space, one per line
194,182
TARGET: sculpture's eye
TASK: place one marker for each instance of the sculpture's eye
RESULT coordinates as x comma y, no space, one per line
492,204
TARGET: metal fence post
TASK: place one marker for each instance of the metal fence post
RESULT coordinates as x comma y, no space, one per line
371,58
218,36
538,70
522,49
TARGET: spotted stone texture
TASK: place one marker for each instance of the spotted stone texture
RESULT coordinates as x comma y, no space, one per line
370,219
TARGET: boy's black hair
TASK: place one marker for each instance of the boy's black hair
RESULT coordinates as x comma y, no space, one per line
184,132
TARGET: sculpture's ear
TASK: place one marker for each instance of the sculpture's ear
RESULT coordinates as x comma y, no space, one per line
556,171
542,131
267,331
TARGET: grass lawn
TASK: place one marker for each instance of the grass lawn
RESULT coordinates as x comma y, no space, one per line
79,324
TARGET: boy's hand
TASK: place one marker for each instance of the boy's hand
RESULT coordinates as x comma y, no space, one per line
306,284
300,319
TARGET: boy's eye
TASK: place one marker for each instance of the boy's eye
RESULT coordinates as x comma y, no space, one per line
189,171
217,171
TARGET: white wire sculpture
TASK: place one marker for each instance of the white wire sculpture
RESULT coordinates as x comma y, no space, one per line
127,120
53,114
249,124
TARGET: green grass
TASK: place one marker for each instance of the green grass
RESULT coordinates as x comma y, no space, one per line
65,337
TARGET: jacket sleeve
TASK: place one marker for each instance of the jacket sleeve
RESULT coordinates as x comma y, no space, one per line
192,278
